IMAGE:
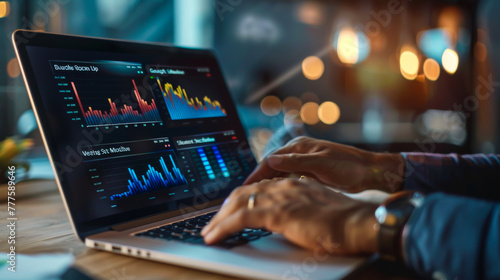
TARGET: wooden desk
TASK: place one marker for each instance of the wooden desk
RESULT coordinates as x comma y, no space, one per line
43,227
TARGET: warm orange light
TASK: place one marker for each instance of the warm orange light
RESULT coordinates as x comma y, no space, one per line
13,68
348,46
432,70
408,64
480,52
450,18
309,113
4,9
313,67
450,61
291,103
270,105
329,112
310,13
292,117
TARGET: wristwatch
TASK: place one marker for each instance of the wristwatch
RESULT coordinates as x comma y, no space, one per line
392,216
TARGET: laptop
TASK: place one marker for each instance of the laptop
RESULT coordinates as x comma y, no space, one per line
146,143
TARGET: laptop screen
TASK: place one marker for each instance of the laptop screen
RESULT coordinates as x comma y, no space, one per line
134,129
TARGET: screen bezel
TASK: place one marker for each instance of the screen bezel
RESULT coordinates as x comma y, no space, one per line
23,38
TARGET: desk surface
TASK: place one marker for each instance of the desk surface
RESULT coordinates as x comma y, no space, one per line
43,227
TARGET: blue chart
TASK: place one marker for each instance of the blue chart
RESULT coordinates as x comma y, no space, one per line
153,180
218,162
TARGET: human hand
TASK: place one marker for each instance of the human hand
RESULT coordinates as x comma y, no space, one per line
303,211
340,166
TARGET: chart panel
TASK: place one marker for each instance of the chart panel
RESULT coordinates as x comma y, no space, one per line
188,93
141,180
106,93
146,112
180,106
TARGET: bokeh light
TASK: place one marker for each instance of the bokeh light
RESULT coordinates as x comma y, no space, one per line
348,46
433,42
292,117
450,61
310,13
313,67
353,46
309,113
309,97
13,68
291,103
270,105
329,112
408,64
432,70
4,9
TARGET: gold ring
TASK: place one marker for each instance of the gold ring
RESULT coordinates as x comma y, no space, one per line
251,200
302,177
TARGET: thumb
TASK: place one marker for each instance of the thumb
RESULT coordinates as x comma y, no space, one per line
293,162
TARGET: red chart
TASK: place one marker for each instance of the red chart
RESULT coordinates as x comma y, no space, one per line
144,111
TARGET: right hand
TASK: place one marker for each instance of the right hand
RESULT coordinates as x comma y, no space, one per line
340,166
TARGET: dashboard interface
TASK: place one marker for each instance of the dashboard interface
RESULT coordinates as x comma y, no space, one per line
135,134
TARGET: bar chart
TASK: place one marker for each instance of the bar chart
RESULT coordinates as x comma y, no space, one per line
153,179
141,111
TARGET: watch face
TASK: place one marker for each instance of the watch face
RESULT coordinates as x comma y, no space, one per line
384,217
381,214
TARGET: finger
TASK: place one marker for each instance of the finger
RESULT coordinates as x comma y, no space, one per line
264,171
261,172
294,162
231,206
243,218
237,199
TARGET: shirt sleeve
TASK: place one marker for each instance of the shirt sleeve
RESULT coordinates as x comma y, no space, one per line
471,175
452,237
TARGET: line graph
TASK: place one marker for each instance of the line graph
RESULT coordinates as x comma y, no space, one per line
147,112
180,106
153,180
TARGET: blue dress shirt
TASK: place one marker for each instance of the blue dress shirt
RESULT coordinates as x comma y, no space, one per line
455,234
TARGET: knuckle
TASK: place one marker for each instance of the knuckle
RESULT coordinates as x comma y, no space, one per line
237,192
283,208
300,141
293,157
291,184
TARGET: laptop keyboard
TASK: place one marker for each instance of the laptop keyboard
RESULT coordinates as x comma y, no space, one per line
189,231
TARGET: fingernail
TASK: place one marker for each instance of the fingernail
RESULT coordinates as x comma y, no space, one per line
275,160
204,230
210,236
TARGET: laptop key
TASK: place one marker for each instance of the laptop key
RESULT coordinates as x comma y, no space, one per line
194,230
250,237
260,233
188,231
232,242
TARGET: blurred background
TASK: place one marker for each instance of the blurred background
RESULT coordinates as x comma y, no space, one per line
382,75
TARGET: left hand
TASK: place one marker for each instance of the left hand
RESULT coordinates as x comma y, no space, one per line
305,212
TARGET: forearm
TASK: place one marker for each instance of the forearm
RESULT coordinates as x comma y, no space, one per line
470,175
455,236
